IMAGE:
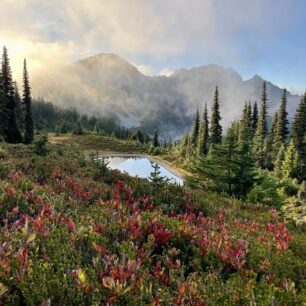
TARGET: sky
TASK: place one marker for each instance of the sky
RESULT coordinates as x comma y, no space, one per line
264,37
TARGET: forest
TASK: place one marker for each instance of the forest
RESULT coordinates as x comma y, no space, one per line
73,231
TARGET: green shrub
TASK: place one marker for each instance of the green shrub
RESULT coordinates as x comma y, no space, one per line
40,143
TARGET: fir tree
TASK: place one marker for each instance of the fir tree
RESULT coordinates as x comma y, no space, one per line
291,163
204,134
254,119
11,131
19,108
281,130
27,101
156,179
245,124
261,131
3,106
226,168
270,147
215,127
278,172
155,139
196,128
298,134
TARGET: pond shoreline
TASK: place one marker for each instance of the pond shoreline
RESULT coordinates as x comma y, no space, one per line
151,158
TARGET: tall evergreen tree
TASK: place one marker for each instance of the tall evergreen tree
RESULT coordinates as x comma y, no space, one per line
281,130
245,125
215,127
291,163
11,131
254,118
196,129
298,134
270,147
3,106
261,131
19,108
155,139
204,134
27,101
278,171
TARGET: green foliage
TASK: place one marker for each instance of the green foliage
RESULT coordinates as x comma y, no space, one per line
79,129
100,162
203,134
291,163
27,101
156,179
155,139
40,143
281,130
215,127
196,129
261,131
265,190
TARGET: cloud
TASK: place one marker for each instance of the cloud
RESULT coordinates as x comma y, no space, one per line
151,33
145,69
166,72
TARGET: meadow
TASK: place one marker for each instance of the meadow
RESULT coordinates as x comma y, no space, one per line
72,233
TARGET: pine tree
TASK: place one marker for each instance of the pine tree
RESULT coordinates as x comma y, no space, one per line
196,128
291,163
215,127
245,124
298,134
270,147
19,108
3,107
254,119
278,172
281,131
27,101
226,168
11,131
204,134
156,179
261,131
155,139
245,160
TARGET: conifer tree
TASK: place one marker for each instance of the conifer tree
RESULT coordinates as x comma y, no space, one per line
270,147
215,127
19,108
3,106
254,118
298,134
196,129
278,172
291,163
11,131
204,134
226,168
245,160
281,130
155,139
27,101
245,124
261,131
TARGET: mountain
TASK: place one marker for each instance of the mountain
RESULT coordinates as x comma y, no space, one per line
108,84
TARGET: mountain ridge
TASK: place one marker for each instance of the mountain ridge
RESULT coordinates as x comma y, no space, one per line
108,84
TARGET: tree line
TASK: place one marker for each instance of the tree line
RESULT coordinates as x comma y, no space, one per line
16,122
227,161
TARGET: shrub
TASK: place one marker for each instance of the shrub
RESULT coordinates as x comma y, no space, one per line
40,143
